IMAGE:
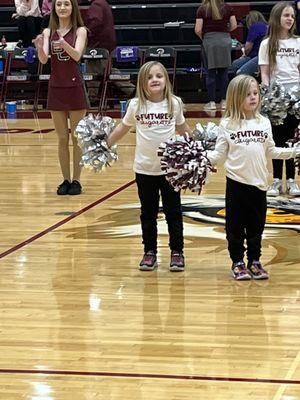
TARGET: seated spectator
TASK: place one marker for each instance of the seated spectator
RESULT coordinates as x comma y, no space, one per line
28,16
248,63
46,10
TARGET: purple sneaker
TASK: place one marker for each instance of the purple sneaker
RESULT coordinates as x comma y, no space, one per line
177,261
148,262
240,272
257,271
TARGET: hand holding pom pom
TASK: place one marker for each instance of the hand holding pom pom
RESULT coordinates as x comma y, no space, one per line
295,142
274,102
185,162
206,134
294,96
92,133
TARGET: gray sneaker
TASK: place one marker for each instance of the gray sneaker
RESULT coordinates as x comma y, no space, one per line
292,188
275,189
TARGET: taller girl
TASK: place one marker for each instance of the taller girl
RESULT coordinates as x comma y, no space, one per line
65,40
279,59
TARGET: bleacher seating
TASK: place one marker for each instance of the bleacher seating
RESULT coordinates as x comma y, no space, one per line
155,23
147,20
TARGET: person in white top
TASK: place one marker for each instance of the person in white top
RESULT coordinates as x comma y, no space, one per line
246,143
156,114
29,18
279,60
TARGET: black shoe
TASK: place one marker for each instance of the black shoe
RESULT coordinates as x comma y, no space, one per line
63,188
75,188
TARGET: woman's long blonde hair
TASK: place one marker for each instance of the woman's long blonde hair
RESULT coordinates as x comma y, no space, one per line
142,92
237,92
214,7
275,30
253,17
76,18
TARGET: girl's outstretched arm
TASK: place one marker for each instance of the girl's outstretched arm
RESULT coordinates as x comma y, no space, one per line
221,150
117,134
183,128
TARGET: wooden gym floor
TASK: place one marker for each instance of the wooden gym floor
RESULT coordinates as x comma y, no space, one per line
80,321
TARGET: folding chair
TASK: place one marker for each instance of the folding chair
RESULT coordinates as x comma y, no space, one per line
43,76
20,82
3,72
124,66
95,65
165,55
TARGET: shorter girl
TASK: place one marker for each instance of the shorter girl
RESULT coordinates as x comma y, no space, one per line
245,141
157,114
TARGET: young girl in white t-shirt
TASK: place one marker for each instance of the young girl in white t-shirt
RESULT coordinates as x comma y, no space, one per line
279,59
245,142
156,114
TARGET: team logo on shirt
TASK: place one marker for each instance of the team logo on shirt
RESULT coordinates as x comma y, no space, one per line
59,52
288,52
249,136
152,119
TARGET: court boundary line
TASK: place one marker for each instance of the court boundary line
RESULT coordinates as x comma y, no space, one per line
65,220
147,376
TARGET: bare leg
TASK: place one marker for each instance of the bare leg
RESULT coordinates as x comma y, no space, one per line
60,120
75,117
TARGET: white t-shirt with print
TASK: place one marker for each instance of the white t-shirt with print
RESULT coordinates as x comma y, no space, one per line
154,125
248,150
287,60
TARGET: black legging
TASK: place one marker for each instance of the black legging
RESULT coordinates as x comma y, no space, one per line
150,188
246,208
281,133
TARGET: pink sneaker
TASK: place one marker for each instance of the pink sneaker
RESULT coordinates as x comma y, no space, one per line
177,261
148,262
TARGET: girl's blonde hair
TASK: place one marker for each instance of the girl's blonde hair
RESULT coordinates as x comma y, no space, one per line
214,7
142,92
237,92
253,17
275,30
76,18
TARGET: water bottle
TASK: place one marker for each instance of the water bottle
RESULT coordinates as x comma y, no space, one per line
123,106
83,67
3,41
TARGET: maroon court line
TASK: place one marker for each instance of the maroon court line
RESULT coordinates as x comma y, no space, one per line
148,376
64,221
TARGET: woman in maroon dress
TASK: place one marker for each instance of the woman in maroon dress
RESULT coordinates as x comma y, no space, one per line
65,40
